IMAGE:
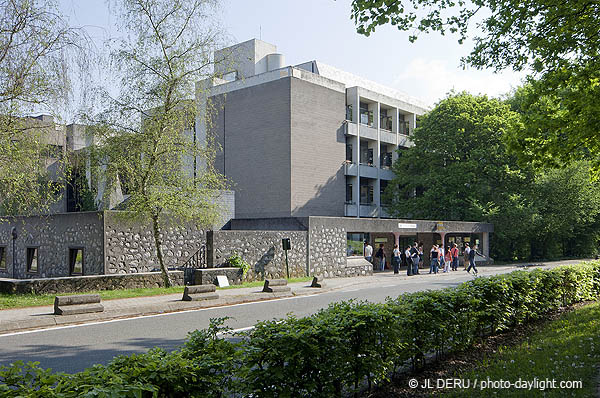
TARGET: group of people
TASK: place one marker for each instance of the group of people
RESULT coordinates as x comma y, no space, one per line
412,258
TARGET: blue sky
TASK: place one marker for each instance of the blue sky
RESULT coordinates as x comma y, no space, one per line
323,30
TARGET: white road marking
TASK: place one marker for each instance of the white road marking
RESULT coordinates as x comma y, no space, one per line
146,316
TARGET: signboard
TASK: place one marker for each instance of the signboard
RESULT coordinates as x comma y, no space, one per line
380,240
222,281
440,226
403,225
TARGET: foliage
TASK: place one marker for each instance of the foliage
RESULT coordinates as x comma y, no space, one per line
332,352
148,145
461,169
559,42
237,261
35,43
567,349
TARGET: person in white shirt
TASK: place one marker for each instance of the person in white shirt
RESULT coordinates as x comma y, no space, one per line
368,252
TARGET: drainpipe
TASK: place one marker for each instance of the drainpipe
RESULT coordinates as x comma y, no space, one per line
14,250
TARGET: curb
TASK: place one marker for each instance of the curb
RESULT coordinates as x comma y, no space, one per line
48,321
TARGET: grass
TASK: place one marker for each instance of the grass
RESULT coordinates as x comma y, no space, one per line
8,301
567,349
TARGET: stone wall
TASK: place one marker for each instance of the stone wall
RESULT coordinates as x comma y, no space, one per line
53,236
87,283
328,251
261,249
130,245
209,275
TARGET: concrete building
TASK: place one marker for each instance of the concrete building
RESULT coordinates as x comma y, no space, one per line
322,140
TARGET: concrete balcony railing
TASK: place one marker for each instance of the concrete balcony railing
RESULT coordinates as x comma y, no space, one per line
351,128
350,209
350,169
368,132
385,174
368,210
368,171
388,138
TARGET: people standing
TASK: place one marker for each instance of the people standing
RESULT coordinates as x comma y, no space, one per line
421,261
447,259
381,256
454,253
396,259
409,262
433,263
368,252
472,253
415,257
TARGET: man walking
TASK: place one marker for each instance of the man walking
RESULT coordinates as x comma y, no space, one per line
454,256
472,253
414,255
381,256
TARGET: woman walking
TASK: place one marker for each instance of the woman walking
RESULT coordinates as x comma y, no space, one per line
447,259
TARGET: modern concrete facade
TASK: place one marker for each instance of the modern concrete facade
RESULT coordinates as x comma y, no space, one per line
304,140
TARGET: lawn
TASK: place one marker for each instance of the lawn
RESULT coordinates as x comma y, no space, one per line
565,350
33,300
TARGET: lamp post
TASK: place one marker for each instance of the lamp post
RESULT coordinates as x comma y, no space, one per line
14,250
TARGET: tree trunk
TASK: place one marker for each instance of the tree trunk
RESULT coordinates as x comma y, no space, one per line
158,244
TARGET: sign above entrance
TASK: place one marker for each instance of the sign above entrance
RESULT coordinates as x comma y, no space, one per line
411,226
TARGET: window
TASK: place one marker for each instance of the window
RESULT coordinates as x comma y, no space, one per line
366,194
356,243
32,259
3,258
349,112
348,193
76,261
349,153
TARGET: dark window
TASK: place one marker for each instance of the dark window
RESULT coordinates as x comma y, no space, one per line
366,194
348,193
349,112
3,258
349,152
32,259
382,187
76,261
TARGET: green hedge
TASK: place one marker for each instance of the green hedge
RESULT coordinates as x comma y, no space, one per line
328,354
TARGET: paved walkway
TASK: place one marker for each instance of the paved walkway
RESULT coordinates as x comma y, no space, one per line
19,319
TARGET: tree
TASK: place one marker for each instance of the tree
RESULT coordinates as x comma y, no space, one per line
459,169
34,44
146,139
558,41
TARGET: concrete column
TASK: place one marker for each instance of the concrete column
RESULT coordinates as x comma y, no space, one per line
397,239
412,123
356,151
376,162
485,244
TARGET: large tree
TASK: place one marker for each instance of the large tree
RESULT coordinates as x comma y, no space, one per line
146,140
557,41
35,42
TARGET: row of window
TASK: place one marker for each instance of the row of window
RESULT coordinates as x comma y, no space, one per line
366,193
33,260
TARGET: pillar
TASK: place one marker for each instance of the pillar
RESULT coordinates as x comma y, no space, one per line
485,244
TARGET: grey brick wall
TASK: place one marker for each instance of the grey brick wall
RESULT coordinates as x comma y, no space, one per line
318,150
262,250
53,235
252,129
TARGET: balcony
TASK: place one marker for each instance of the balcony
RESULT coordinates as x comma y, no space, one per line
368,210
351,128
368,132
368,171
366,117
384,174
350,169
404,129
385,123
387,137
405,141
350,209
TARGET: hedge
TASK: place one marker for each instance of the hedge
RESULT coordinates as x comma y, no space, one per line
329,354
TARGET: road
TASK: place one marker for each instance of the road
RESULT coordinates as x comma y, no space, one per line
73,348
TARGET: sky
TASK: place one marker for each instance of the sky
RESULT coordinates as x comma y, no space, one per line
322,30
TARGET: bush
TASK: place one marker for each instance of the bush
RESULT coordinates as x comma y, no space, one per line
327,354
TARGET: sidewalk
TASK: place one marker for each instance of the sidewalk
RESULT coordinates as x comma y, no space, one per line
19,319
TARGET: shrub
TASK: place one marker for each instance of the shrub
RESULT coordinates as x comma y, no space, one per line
237,261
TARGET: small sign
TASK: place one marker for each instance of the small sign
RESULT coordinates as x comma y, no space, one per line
403,225
440,226
380,240
222,281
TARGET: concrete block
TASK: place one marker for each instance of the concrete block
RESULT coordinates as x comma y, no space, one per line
200,292
276,286
79,304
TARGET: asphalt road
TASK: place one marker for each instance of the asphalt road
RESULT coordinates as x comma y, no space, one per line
74,348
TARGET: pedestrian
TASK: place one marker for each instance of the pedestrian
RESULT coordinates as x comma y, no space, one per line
381,256
368,252
396,259
414,255
466,255
454,253
421,261
447,259
472,253
409,262
433,256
